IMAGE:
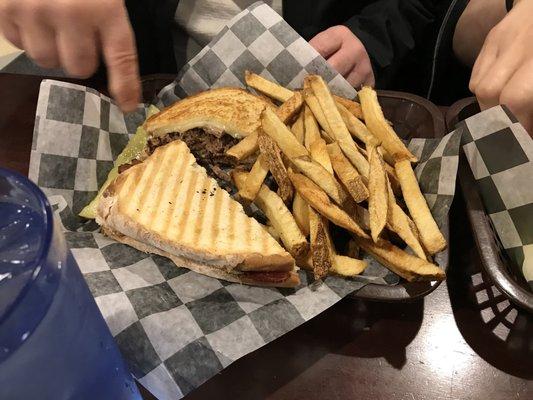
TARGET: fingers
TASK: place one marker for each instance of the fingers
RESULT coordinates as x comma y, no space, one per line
482,66
120,54
327,42
491,83
72,33
11,33
40,43
77,51
346,54
342,61
362,74
518,97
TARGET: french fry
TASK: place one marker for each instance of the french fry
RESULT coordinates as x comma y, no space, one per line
255,179
376,123
352,106
326,137
279,216
391,172
283,137
321,177
321,254
320,201
378,194
248,146
269,101
413,227
298,128
322,251
401,263
290,109
393,179
273,157
267,87
399,222
387,157
300,210
312,132
338,128
312,102
319,153
357,128
245,148
430,235
363,217
347,174
347,267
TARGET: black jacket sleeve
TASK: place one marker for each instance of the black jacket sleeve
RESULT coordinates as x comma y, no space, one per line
153,21
393,30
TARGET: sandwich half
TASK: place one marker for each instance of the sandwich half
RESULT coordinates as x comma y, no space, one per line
230,111
210,123
169,205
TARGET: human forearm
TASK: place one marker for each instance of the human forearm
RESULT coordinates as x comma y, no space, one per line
479,17
503,71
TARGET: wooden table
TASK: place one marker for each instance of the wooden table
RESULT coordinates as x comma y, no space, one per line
464,341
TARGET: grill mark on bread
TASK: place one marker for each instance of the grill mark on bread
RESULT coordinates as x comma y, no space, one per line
184,217
142,174
148,182
156,190
231,227
218,199
171,192
246,232
264,244
198,224
126,188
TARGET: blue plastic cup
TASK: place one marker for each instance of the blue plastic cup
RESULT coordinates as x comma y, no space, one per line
54,343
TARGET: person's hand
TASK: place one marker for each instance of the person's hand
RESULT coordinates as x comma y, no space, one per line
503,72
346,54
71,34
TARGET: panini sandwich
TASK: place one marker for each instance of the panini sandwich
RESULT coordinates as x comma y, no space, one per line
170,203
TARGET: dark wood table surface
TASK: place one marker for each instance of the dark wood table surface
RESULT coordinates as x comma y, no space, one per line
464,341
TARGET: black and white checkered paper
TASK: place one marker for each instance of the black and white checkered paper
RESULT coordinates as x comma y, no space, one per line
176,328
500,154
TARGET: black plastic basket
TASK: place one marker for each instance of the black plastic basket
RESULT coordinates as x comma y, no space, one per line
493,256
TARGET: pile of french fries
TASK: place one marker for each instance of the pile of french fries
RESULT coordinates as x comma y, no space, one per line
332,168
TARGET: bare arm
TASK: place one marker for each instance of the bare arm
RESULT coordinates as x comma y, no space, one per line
479,17
503,70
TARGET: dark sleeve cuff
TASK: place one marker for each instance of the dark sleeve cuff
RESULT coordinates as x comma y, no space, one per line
390,30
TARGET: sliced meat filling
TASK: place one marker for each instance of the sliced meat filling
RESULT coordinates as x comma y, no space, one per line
267,277
209,151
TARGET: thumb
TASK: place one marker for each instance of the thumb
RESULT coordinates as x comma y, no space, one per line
120,56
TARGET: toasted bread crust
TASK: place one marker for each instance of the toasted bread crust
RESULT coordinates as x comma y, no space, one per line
292,279
257,252
231,110
259,262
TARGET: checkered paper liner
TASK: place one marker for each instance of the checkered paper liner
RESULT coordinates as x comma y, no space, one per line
500,154
176,328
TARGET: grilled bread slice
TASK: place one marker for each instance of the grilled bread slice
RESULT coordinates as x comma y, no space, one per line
169,205
226,110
